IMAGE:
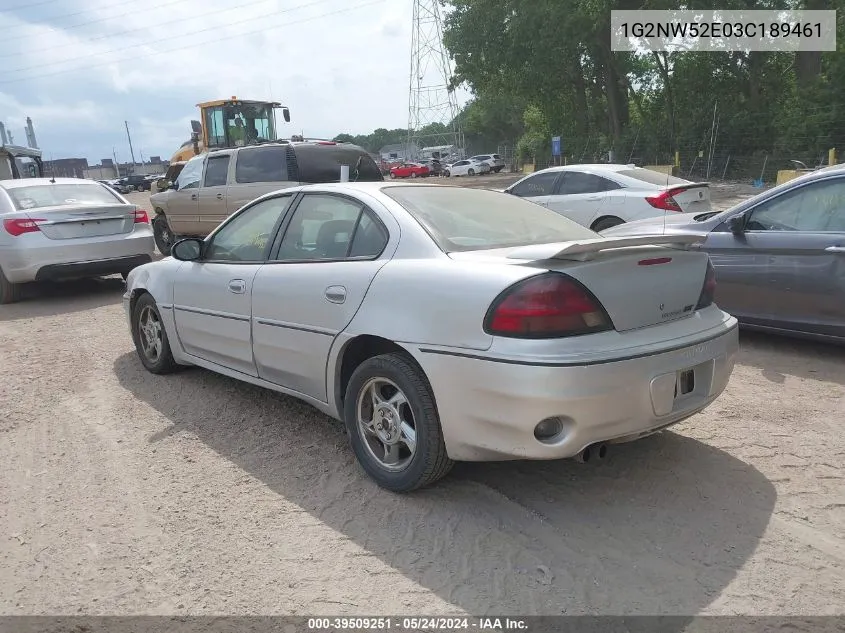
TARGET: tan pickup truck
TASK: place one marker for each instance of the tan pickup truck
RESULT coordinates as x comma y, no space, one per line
214,185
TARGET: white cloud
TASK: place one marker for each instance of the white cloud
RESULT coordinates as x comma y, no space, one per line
338,65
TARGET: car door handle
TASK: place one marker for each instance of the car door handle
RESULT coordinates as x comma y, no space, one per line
219,196
336,294
238,286
193,196
835,249
594,197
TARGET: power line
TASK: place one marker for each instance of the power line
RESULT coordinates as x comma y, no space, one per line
105,19
189,46
130,31
61,16
29,5
167,39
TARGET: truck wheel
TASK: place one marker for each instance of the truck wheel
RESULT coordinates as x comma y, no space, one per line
162,234
9,292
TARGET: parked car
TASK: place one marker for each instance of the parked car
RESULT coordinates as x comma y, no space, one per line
119,186
779,256
136,182
435,167
555,342
212,186
466,167
63,228
601,196
410,170
495,161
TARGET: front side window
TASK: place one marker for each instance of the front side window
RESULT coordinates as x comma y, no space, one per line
463,219
262,164
36,196
246,237
537,185
191,174
216,171
819,206
322,227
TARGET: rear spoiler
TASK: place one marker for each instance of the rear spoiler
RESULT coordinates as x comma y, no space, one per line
586,249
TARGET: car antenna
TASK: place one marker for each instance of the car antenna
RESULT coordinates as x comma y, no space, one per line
52,169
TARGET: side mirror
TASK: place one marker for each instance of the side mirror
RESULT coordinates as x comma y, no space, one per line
737,224
286,115
188,249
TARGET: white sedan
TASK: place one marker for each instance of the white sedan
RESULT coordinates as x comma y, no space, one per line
442,323
601,196
467,167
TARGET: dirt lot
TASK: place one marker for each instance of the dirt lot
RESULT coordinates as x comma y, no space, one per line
128,493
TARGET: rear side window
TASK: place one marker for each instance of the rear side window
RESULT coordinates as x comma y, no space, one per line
652,177
262,164
322,163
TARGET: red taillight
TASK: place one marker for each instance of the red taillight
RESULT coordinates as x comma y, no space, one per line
665,201
19,226
708,291
550,305
141,217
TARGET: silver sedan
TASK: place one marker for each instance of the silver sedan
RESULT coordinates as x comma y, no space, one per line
442,323
63,228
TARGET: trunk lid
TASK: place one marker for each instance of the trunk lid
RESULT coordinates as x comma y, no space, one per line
79,221
692,198
638,285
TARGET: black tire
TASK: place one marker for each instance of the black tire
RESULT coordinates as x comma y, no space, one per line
447,173
606,223
470,172
9,292
163,363
162,234
392,175
413,174
429,461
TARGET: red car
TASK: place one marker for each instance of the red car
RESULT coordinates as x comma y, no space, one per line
409,170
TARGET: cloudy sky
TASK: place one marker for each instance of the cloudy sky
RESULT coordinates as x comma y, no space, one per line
80,68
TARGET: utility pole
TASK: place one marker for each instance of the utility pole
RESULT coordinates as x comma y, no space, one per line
116,164
131,151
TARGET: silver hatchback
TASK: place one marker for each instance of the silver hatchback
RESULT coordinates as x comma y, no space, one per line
64,228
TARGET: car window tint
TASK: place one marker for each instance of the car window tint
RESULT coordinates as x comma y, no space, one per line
576,182
191,174
262,164
321,228
244,238
216,171
537,185
819,206
370,237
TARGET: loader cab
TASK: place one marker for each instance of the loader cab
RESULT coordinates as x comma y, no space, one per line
235,123
20,162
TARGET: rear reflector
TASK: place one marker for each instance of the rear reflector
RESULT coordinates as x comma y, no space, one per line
141,217
551,305
652,262
19,226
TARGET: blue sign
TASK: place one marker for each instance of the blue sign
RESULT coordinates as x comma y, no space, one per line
556,146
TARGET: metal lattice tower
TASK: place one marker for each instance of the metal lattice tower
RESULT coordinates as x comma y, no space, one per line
430,100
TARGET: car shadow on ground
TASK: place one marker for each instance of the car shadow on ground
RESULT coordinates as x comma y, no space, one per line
661,526
52,298
781,356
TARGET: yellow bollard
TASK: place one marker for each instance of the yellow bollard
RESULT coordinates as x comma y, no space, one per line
677,159
831,156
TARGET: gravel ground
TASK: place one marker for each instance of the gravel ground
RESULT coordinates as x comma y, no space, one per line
128,493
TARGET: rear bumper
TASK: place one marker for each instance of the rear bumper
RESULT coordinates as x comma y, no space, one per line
23,260
100,267
490,407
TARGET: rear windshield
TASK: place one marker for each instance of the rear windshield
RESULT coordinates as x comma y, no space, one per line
652,177
461,219
36,196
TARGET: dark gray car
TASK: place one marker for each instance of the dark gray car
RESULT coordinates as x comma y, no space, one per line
779,256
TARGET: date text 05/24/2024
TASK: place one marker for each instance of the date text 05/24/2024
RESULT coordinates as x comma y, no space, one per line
417,624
